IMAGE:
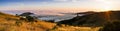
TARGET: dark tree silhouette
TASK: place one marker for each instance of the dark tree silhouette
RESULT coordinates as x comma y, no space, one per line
26,14
27,17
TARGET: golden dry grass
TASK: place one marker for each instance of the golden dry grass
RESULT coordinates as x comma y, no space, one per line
73,28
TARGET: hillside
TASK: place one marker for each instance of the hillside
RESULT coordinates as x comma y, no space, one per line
8,23
13,23
93,19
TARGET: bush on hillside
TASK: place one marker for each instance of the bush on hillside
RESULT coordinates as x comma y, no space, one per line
30,18
114,26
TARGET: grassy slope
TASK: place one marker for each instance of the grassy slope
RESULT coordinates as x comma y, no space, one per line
8,23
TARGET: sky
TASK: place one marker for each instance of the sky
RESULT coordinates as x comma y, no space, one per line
60,5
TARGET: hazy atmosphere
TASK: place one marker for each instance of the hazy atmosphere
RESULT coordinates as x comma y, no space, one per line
60,5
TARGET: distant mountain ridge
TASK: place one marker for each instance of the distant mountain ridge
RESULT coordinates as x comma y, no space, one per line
38,12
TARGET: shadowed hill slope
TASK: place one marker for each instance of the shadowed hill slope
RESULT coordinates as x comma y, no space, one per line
94,19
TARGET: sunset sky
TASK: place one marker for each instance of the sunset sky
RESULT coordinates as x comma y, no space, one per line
59,5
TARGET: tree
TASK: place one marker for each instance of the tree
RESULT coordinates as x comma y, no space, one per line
27,17
26,14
